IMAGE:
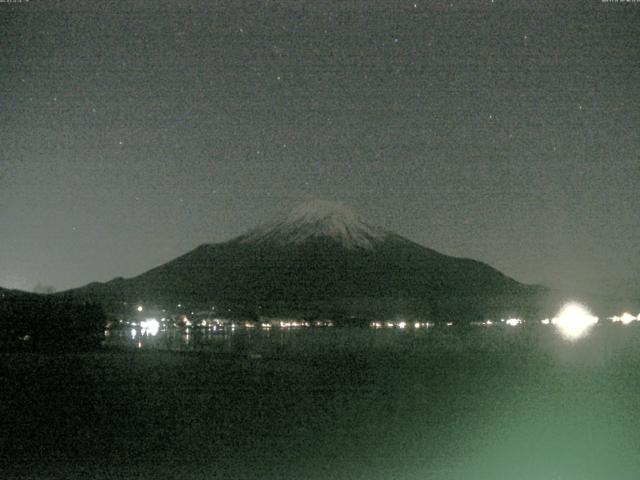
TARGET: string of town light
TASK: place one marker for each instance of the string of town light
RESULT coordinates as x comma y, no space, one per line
573,322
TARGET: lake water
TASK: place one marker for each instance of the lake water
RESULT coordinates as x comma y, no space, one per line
330,403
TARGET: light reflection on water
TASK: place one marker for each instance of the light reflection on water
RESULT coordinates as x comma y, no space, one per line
239,338
234,338
275,342
573,322
481,402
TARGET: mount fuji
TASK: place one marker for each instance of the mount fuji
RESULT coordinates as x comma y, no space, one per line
322,260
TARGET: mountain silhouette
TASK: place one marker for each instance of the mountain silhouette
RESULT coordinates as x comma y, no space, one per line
322,259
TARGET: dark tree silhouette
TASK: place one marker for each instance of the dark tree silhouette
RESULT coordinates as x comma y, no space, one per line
39,323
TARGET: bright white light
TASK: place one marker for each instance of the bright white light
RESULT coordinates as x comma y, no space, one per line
625,319
488,322
134,332
512,322
546,321
402,324
139,308
150,326
574,321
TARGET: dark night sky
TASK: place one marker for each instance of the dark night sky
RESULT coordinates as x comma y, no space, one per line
133,131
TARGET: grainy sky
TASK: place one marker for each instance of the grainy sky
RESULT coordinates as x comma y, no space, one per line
132,132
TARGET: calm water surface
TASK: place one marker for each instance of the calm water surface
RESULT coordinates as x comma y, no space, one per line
329,403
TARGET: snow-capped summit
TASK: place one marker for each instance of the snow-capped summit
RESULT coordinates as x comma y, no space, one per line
319,219
314,210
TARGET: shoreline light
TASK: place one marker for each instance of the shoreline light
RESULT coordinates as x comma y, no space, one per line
150,326
625,319
574,321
